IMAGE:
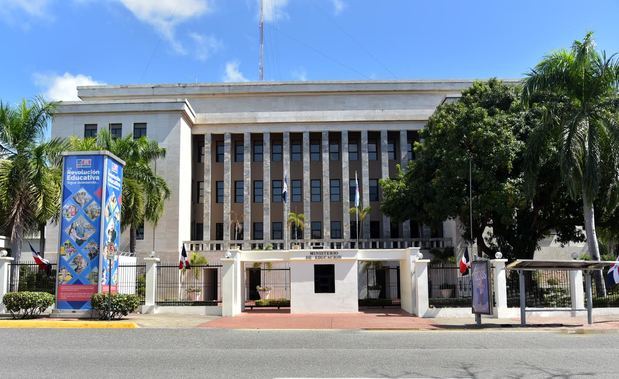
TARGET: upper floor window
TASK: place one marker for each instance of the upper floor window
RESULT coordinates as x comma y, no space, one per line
374,190
316,229
391,151
409,151
334,192
258,151
116,130
372,151
200,192
276,152
276,231
296,152
239,151
257,191
219,191
219,231
315,151
353,152
199,151
315,190
297,190
219,152
238,191
374,229
139,130
336,229
90,130
276,188
258,232
334,151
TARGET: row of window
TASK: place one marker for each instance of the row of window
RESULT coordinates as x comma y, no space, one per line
295,191
116,130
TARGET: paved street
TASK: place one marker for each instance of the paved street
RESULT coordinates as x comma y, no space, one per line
162,353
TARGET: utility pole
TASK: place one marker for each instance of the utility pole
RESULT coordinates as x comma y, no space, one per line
261,62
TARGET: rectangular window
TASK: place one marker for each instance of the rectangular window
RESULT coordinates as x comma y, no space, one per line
353,227
198,233
374,229
258,191
315,151
336,229
276,153
116,130
334,151
219,152
351,191
372,151
276,191
353,152
395,230
335,193
219,231
239,151
297,233
258,151
315,193
409,151
391,151
199,153
219,191
324,278
238,191
296,152
200,192
276,231
139,130
297,190
374,190
90,130
237,231
316,229
258,232
139,232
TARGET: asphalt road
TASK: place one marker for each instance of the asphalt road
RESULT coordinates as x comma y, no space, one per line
197,353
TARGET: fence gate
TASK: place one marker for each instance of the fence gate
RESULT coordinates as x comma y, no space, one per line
200,285
276,279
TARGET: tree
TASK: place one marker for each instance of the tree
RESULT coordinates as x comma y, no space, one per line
362,214
296,221
582,119
29,189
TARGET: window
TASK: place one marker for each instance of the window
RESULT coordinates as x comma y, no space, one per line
219,191
297,233
316,229
296,152
353,152
276,191
436,230
237,231
276,231
139,232
315,193
219,231
258,152
297,190
200,192
391,150
352,191
374,229
335,192
139,130
395,230
257,191
372,151
219,152
238,152
409,151
315,152
353,228
324,278
199,151
258,232
238,191
90,130
374,190
276,153
334,152
198,233
336,229
116,130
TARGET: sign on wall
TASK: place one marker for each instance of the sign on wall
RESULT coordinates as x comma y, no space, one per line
89,228
482,289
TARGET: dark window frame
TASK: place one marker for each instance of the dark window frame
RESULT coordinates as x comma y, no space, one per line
335,192
353,154
372,151
324,278
258,191
116,129
258,151
220,152
296,190
277,231
276,190
277,152
296,152
219,191
316,229
239,152
334,151
139,130
257,232
315,190
90,130
336,229
374,190
239,192
315,155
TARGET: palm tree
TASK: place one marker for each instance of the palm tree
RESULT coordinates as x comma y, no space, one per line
578,89
296,222
363,213
29,189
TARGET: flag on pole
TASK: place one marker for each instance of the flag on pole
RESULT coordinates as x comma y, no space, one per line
357,199
285,189
613,274
40,261
184,263
465,262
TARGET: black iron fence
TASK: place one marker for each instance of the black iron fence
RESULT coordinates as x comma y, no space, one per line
379,282
32,278
200,285
132,280
612,292
544,289
448,288
272,283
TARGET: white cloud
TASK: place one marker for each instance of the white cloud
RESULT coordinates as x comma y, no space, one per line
62,87
233,74
274,10
300,74
205,45
36,8
338,6
165,15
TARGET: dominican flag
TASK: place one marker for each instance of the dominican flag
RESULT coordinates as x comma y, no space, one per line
613,274
357,199
465,262
285,190
184,263
40,261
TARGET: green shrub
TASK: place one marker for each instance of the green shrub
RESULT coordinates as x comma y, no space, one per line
27,304
273,303
116,307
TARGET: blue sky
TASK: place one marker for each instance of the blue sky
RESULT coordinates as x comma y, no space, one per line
49,46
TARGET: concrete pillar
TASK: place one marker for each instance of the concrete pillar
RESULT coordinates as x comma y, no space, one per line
500,287
406,225
246,190
345,185
307,231
365,182
5,265
384,173
266,186
150,300
286,177
326,188
227,187
414,283
206,202
577,293
231,284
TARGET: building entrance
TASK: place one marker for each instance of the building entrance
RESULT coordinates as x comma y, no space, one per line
254,280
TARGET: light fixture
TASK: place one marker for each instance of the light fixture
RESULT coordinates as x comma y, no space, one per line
3,253
498,255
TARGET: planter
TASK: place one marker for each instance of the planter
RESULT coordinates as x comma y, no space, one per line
446,293
264,294
373,294
194,296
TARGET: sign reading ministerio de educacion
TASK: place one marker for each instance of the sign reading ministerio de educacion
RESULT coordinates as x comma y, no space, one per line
89,227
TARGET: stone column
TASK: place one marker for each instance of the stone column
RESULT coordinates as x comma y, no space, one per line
384,173
326,189
231,285
266,186
577,293
150,300
5,265
406,225
206,203
365,182
246,190
345,187
500,287
286,178
227,187
307,231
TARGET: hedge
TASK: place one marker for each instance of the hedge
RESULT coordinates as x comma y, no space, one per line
273,303
27,304
115,308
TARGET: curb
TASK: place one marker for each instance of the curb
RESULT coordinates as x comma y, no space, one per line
69,324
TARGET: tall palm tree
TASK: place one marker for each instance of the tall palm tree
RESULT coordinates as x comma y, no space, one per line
29,174
579,91
296,221
363,213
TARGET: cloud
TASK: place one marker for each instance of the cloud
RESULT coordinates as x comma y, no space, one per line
338,6
274,10
300,74
165,15
205,45
233,74
62,87
37,8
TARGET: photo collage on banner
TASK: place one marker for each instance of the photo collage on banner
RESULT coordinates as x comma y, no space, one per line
111,224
